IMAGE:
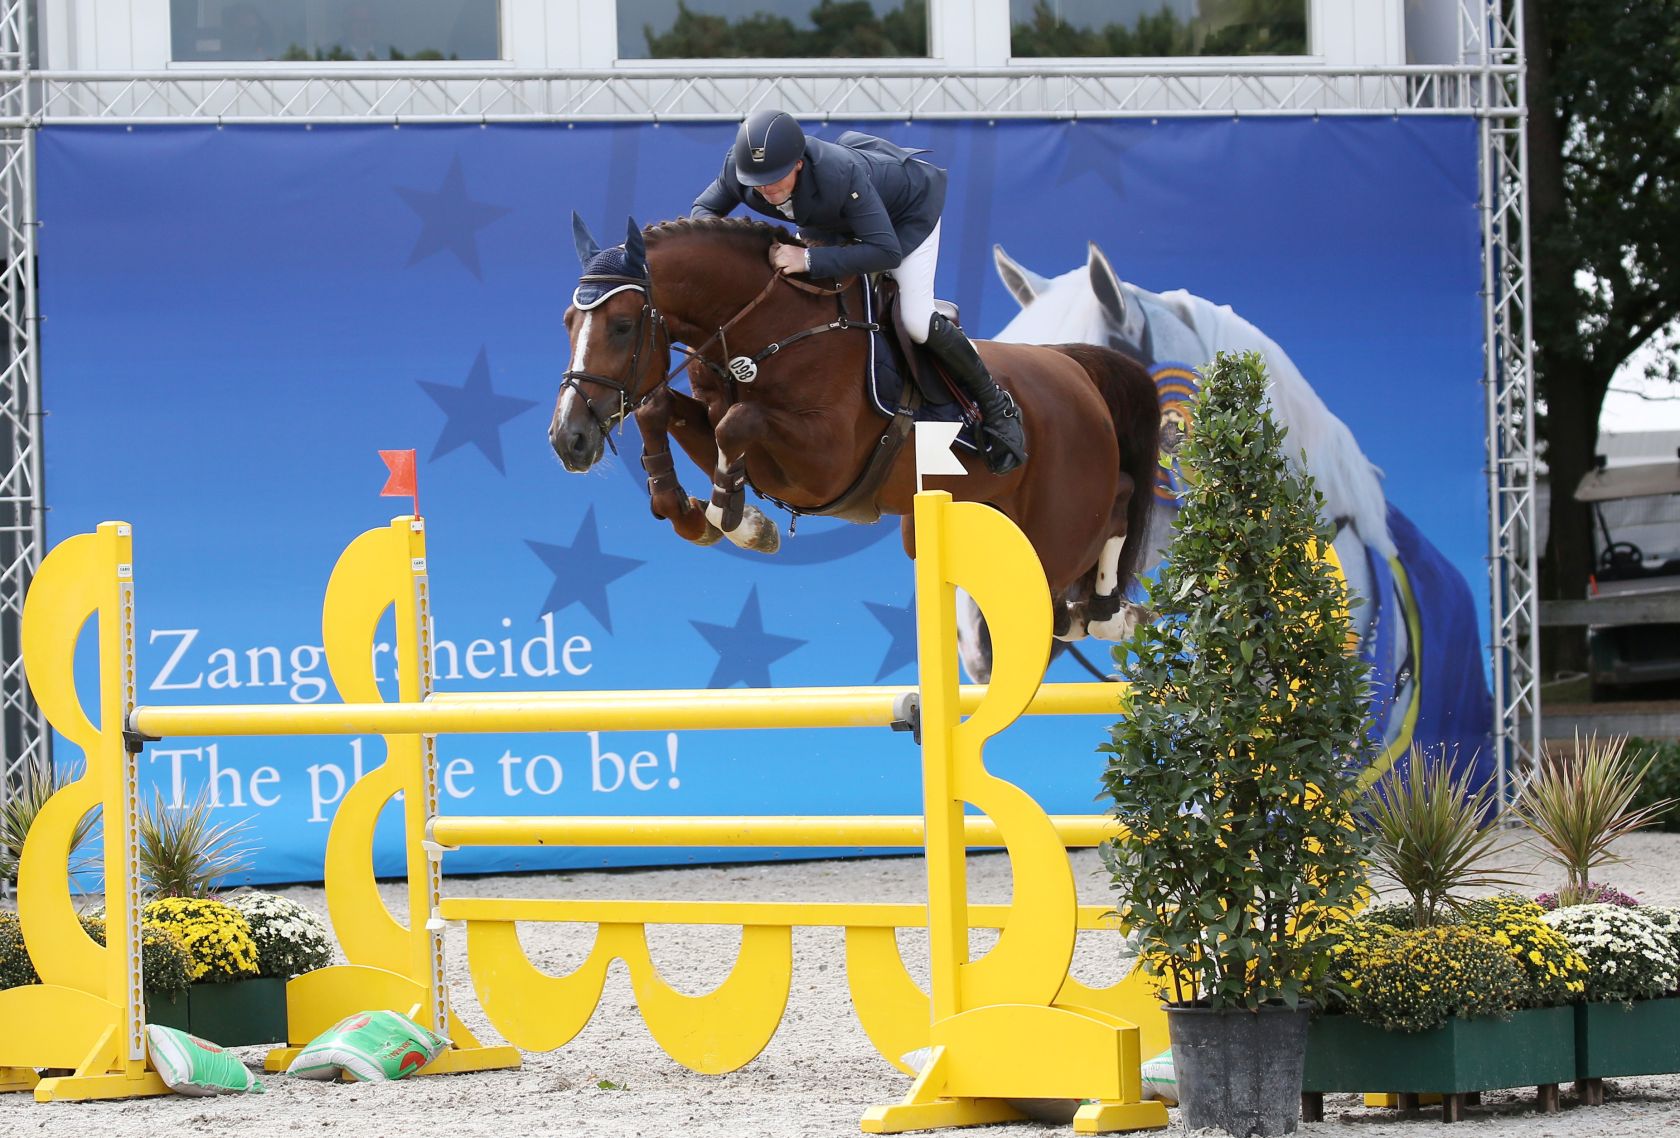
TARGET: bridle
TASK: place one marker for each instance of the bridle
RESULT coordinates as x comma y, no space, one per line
574,378
630,401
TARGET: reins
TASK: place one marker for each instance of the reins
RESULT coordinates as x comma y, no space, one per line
743,369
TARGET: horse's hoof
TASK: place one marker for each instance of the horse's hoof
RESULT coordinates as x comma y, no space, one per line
765,535
1120,625
1070,622
711,535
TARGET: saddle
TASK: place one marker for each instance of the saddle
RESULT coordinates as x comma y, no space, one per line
910,358
906,384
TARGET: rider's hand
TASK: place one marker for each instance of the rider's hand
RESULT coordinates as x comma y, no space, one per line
787,258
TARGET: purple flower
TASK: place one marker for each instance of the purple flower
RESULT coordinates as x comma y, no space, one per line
1597,894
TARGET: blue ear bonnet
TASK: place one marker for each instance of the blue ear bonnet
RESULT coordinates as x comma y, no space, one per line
614,262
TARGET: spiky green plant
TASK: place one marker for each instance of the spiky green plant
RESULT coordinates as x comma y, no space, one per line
19,809
1580,803
1428,836
182,853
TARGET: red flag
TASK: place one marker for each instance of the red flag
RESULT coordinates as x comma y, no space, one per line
403,482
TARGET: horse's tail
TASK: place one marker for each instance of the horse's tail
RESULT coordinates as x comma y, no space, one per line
1132,403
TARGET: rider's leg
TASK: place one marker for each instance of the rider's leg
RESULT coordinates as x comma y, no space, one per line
1001,426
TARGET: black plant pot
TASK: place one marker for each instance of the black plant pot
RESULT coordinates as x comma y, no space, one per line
1239,1071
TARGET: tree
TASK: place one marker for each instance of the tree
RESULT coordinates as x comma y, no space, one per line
1603,135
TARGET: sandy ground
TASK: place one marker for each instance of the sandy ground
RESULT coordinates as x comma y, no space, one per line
819,1072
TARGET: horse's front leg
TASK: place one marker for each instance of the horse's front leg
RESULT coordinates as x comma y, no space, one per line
741,522
657,418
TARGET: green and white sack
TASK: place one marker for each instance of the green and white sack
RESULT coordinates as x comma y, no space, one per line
370,1046
189,1065
1160,1080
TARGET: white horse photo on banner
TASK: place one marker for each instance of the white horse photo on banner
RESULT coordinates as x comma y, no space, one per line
1418,626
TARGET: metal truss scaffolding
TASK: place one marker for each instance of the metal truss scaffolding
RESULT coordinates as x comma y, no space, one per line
1487,82
1494,29
23,742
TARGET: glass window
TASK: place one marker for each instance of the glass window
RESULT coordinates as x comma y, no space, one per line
772,29
1073,28
334,30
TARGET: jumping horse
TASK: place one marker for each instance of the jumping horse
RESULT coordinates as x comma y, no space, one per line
776,368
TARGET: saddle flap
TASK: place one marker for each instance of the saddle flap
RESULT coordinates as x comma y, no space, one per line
914,359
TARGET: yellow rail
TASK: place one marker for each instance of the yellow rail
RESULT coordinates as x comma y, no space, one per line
786,914
782,830
702,710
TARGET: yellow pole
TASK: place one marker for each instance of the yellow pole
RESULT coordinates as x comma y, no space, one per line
712,710
824,831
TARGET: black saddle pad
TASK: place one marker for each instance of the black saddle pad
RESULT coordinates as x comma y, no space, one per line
887,377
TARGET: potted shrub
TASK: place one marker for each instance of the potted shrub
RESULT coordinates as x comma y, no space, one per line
1232,770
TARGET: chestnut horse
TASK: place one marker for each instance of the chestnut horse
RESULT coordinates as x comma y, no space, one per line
776,366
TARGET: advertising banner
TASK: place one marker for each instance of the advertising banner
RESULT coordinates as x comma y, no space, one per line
238,319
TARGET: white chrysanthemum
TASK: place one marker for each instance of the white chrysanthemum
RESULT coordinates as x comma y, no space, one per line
1630,954
290,939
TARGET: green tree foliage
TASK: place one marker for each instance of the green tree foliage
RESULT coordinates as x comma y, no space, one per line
1233,771
839,29
1222,27
1604,210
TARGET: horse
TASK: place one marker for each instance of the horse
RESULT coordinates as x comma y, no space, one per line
1428,681
776,373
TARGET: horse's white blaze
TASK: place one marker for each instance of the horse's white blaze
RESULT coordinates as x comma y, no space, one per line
580,352
1108,566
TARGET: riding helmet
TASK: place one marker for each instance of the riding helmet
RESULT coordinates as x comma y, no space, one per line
767,148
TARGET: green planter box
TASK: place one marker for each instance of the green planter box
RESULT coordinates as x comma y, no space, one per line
238,1014
1535,1047
1612,1040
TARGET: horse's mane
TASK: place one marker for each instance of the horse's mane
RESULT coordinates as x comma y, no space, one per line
740,229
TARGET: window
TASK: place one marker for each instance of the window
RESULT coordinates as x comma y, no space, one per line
334,30
772,29
1074,28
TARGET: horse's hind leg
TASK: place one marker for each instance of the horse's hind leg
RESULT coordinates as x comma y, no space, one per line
741,522
1109,616
670,411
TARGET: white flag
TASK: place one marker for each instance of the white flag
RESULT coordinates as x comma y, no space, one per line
933,450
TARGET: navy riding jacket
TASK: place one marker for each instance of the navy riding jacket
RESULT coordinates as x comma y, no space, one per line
861,189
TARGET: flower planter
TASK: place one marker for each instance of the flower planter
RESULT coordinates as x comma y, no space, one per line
1642,1038
1238,1071
236,1014
1534,1048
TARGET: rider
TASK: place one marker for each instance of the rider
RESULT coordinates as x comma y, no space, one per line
885,204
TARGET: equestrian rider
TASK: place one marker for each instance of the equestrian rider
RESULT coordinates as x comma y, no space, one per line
865,206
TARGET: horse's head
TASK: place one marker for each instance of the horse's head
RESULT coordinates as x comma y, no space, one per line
1092,305
617,353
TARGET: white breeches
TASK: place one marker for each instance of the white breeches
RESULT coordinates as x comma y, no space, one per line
915,287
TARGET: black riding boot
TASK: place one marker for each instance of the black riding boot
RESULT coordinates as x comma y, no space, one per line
1000,429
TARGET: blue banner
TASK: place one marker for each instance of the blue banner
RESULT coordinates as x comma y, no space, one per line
237,319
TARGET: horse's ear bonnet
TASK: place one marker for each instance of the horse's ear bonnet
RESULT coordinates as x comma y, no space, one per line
609,268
